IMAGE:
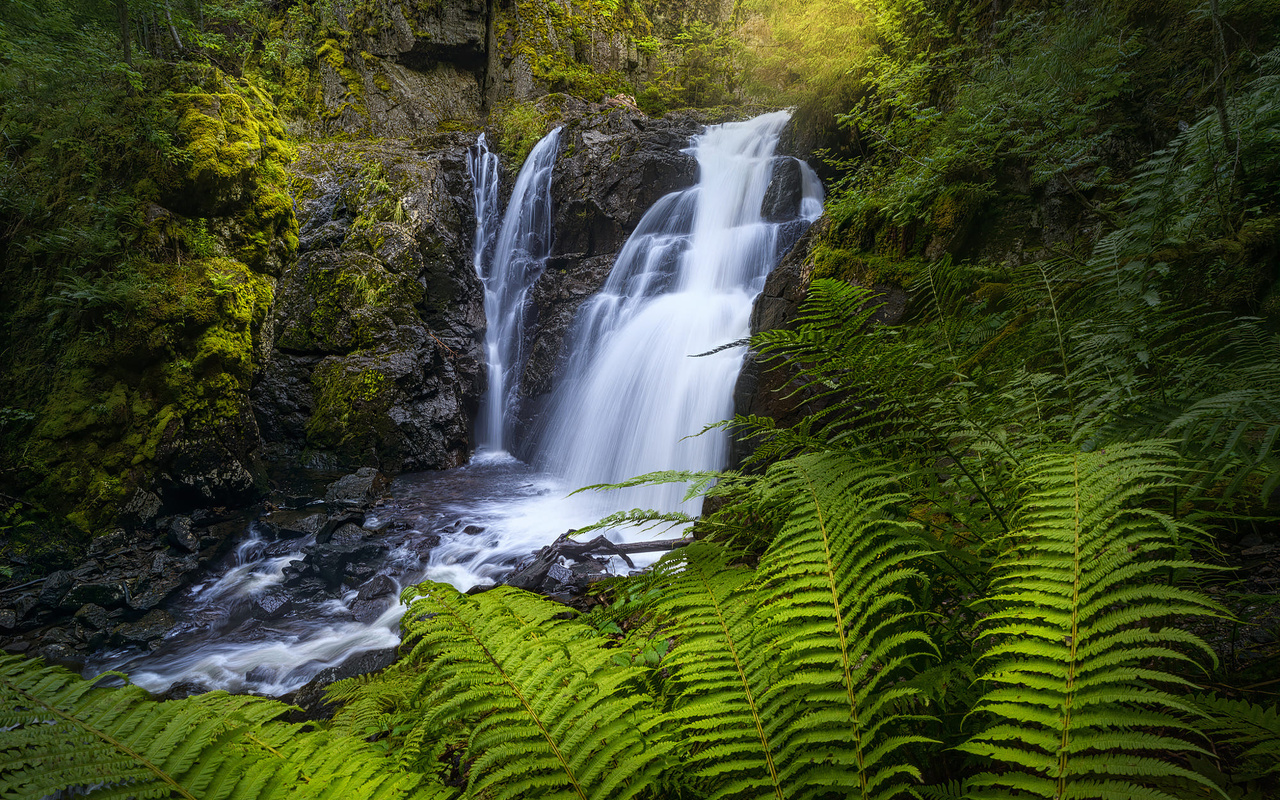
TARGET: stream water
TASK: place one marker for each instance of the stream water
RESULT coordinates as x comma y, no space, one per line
637,386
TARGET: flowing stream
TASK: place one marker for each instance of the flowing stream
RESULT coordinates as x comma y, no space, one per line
640,383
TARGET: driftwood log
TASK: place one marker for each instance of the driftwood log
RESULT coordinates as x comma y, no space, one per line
546,574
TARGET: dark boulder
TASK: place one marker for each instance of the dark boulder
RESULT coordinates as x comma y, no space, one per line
272,603
146,632
361,488
310,698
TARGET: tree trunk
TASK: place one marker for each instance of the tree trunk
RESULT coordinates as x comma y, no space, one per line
122,12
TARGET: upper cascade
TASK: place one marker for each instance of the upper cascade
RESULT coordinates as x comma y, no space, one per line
509,261
640,382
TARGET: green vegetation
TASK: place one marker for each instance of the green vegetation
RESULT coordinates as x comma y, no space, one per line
982,559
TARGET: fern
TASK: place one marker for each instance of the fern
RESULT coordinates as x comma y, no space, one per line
62,733
547,711
1073,676
1253,729
834,585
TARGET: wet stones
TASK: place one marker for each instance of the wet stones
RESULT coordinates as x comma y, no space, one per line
114,596
360,488
145,632
271,604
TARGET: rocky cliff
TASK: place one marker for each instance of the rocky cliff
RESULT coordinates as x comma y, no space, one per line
375,355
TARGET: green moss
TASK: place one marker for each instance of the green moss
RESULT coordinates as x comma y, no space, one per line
351,403
863,267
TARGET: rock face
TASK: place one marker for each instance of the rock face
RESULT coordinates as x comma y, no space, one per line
776,393
376,356
408,68
614,165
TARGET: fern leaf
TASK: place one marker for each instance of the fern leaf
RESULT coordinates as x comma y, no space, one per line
834,601
1074,704
62,733
548,713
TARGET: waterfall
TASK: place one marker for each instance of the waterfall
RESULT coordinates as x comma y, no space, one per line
508,262
637,386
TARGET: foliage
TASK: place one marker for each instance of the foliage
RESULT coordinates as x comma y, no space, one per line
1074,702
61,732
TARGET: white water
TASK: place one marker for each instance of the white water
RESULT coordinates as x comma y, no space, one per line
508,267
631,392
634,392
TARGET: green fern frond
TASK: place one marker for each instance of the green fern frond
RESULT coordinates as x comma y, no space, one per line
720,671
1073,698
62,733
834,600
1252,729
548,712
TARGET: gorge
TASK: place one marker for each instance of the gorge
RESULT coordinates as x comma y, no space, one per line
635,390
942,334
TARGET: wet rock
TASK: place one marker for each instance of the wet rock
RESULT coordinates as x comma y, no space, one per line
93,617
63,654
336,522
183,536
55,587
786,190
8,619
108,595
379,586
365,486
141,508
182,690
472,530
331,561
146,632
293,524
367,611
272,603
114,542
310,698
356,574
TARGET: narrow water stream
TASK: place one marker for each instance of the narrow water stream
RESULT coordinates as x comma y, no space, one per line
630,397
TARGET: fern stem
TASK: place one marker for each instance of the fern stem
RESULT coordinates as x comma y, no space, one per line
1072,662
746,686
840,633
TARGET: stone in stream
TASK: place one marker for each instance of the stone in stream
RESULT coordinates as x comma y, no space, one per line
360,488
310,698
146,632
273,603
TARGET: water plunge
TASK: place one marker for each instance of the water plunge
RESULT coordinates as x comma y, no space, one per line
508,262
630,393
640,382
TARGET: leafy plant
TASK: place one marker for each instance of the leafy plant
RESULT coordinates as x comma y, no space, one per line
1076,705
63,733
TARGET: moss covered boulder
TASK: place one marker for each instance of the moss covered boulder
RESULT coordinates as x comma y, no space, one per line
376,356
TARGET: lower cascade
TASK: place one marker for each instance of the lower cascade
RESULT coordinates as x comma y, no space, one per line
652,361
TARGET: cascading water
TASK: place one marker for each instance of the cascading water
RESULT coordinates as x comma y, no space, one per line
633,392
682,285
508,266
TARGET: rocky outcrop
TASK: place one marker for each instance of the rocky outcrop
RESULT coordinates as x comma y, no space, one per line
376,356
777,393
401,69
